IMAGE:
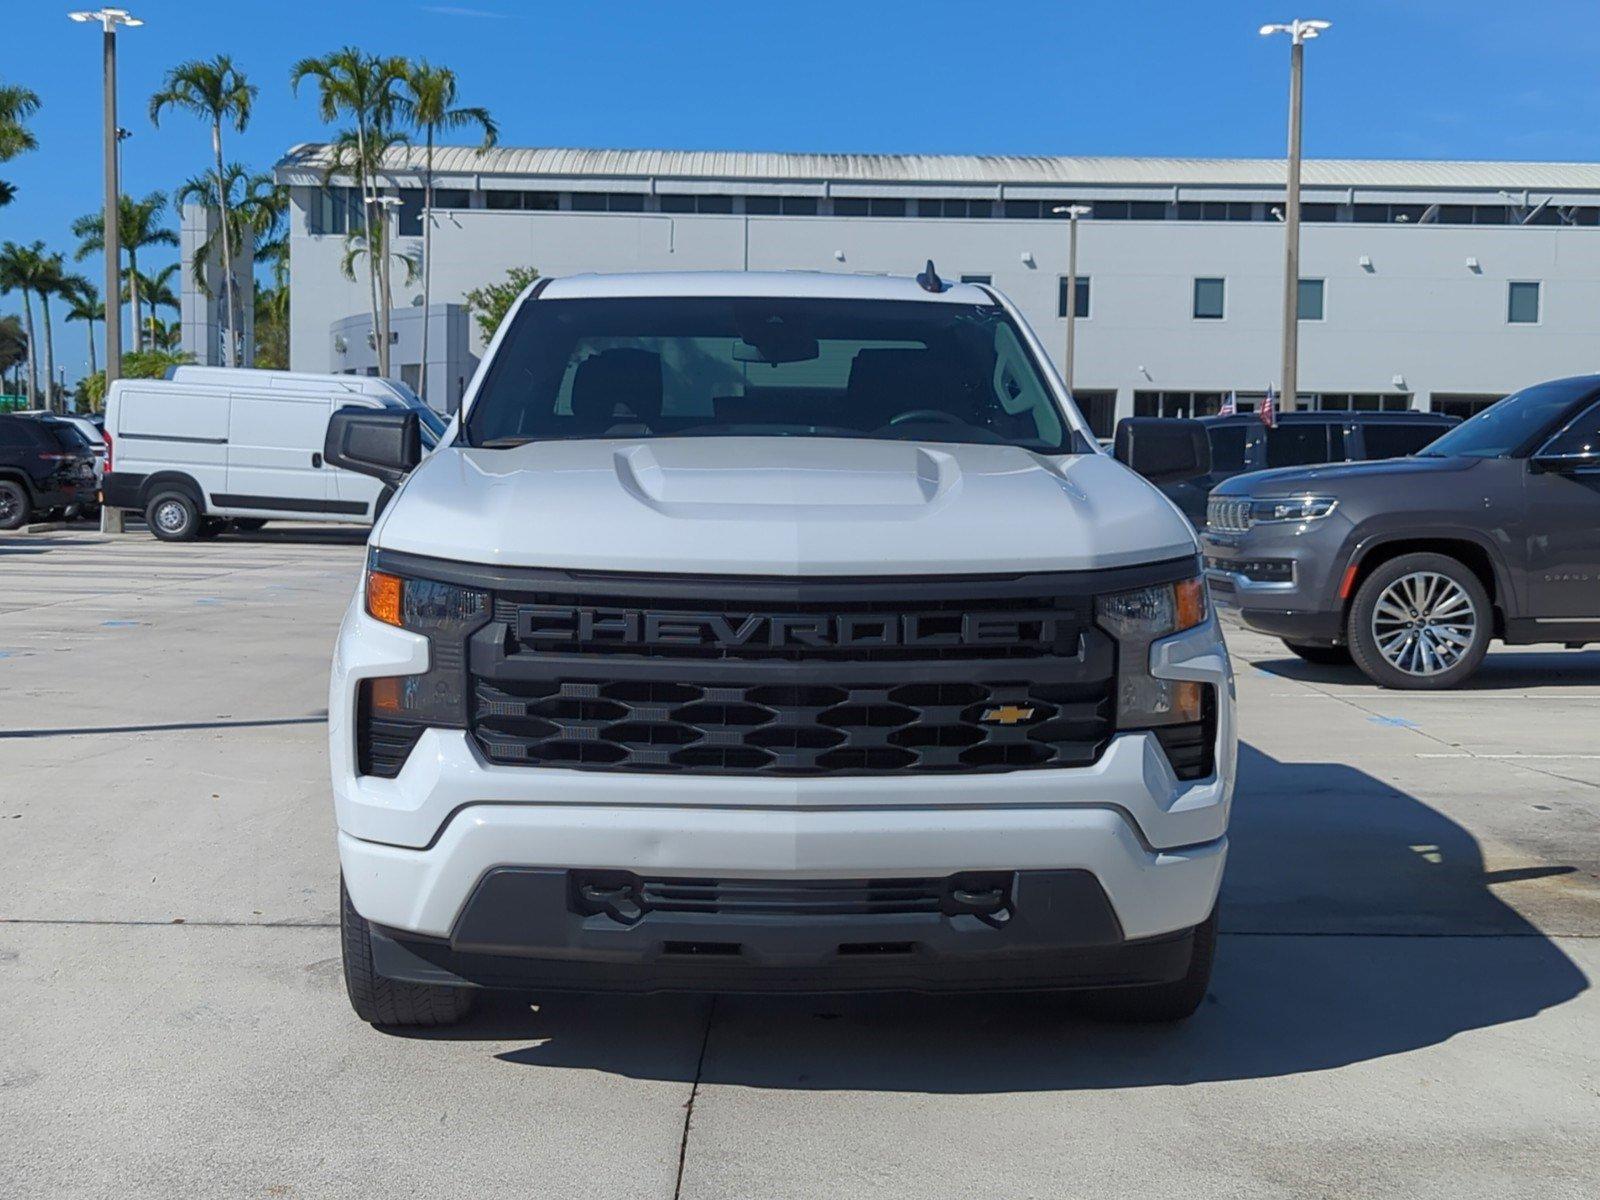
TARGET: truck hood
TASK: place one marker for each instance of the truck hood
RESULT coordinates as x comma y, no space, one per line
781,506
1285,481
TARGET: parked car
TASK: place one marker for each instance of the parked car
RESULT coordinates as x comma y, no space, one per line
214,445
46,467
1412,566
1240,443
774,632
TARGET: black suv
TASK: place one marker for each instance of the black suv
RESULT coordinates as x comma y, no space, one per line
46,466
1411,565
1241,443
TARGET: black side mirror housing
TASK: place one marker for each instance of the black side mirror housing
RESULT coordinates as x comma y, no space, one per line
382,442
1163,449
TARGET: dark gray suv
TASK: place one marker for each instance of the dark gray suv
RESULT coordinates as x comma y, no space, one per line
1411,565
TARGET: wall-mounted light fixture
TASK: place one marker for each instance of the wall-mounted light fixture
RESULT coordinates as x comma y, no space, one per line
1472,265
1365,263
838,256
1027,258
1399,381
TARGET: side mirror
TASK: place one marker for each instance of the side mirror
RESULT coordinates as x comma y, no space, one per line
383,443
1163,449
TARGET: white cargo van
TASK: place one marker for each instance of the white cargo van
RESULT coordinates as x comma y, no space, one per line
212,445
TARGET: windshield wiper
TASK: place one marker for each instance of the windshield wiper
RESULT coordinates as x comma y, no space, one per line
504,443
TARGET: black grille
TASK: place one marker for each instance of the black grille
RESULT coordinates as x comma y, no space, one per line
613,892
382,746
776,728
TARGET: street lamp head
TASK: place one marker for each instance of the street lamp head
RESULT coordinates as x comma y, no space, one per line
1298,30
1071,210
109,18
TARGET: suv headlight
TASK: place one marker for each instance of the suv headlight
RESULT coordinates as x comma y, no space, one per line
1292,508
1136,619
447,615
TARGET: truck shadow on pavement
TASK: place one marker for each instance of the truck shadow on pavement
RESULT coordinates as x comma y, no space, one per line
1502,669
1358,923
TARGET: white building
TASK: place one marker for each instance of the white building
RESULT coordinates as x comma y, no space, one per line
1425,284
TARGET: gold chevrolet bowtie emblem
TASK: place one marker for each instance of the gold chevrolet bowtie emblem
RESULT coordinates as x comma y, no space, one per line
1007,714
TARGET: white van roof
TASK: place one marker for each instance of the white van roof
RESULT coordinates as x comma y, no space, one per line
294,381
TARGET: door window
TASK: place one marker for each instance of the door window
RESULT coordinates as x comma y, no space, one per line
1582,436
1298,445
1397,441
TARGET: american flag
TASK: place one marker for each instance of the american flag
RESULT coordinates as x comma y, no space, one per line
1230,405
1268,412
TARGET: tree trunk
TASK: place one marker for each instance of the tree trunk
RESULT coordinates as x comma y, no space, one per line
372,265
386,224
92,367
49,353
133,300
33,350
228,343
427,262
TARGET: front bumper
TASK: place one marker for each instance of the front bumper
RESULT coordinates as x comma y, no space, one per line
417,848
1305,606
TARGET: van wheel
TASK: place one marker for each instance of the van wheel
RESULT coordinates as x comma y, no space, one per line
381,1001
1420,622
14,507
173,517
1323,656
1160,1003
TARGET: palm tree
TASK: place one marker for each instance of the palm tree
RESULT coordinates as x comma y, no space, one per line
364,88
139,226
84,304
219,92
17,104
257,209
19,267
13,345
51,279
428,102
156,292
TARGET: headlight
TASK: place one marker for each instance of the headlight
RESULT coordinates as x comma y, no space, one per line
1136,619
447,614
1292,508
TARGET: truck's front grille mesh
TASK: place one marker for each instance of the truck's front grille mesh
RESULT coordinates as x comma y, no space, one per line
800,897
777,728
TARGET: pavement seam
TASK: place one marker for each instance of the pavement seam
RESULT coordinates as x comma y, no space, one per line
694,1091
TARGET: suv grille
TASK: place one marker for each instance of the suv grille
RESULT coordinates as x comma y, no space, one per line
782,728
1227,514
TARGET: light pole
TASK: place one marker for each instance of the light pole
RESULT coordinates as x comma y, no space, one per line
1300,32
1073,212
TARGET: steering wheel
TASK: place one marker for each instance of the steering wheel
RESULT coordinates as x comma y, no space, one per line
926,414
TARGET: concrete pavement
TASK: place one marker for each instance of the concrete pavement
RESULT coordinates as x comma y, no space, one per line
1401,1006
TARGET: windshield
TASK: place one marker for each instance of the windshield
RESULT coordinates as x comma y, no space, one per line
714,367
1511,423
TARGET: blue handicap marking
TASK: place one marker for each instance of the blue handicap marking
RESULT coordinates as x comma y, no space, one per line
208,600
1395,722
118,624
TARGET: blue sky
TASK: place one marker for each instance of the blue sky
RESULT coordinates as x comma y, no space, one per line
1393,79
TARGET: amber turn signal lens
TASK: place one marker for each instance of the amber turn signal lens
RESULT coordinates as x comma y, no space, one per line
1191,602
1187,701
384,593
384,694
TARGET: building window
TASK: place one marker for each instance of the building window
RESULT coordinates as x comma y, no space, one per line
1460,405
608,201
333,210
857,206
1319,212
454,198
1099,408
1209,299
984,279
1177,404
1356,401
1081,312
698,204
955,208
408,221
1310,300
789,206
1522,303
547,201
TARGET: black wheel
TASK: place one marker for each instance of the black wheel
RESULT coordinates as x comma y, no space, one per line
1420,622
381,1001
1160,1003
15,511
248,524
173,517
1323,656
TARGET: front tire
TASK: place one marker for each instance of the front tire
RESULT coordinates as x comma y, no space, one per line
389,1002
1160,1003
173,517
1420,622
1322,656
15,511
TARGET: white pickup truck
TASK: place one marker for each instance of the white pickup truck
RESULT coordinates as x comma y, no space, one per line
775,631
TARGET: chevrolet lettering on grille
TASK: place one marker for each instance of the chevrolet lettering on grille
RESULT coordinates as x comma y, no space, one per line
558,625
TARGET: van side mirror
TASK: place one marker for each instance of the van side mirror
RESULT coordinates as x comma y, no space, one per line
383,443
1163,449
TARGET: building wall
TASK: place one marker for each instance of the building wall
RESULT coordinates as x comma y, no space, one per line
1417,311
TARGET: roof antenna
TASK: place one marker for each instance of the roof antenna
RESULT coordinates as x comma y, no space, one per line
929,280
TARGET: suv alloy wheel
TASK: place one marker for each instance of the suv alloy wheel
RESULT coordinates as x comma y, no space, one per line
1420,622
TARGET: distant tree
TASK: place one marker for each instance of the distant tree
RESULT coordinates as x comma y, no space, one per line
84,304
491,302
364,89
138,227
20,267
257,211
156,292
136,364
51,279
428,102
17,104
216,90
13,345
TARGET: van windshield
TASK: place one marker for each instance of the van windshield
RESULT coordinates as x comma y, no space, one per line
784,367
